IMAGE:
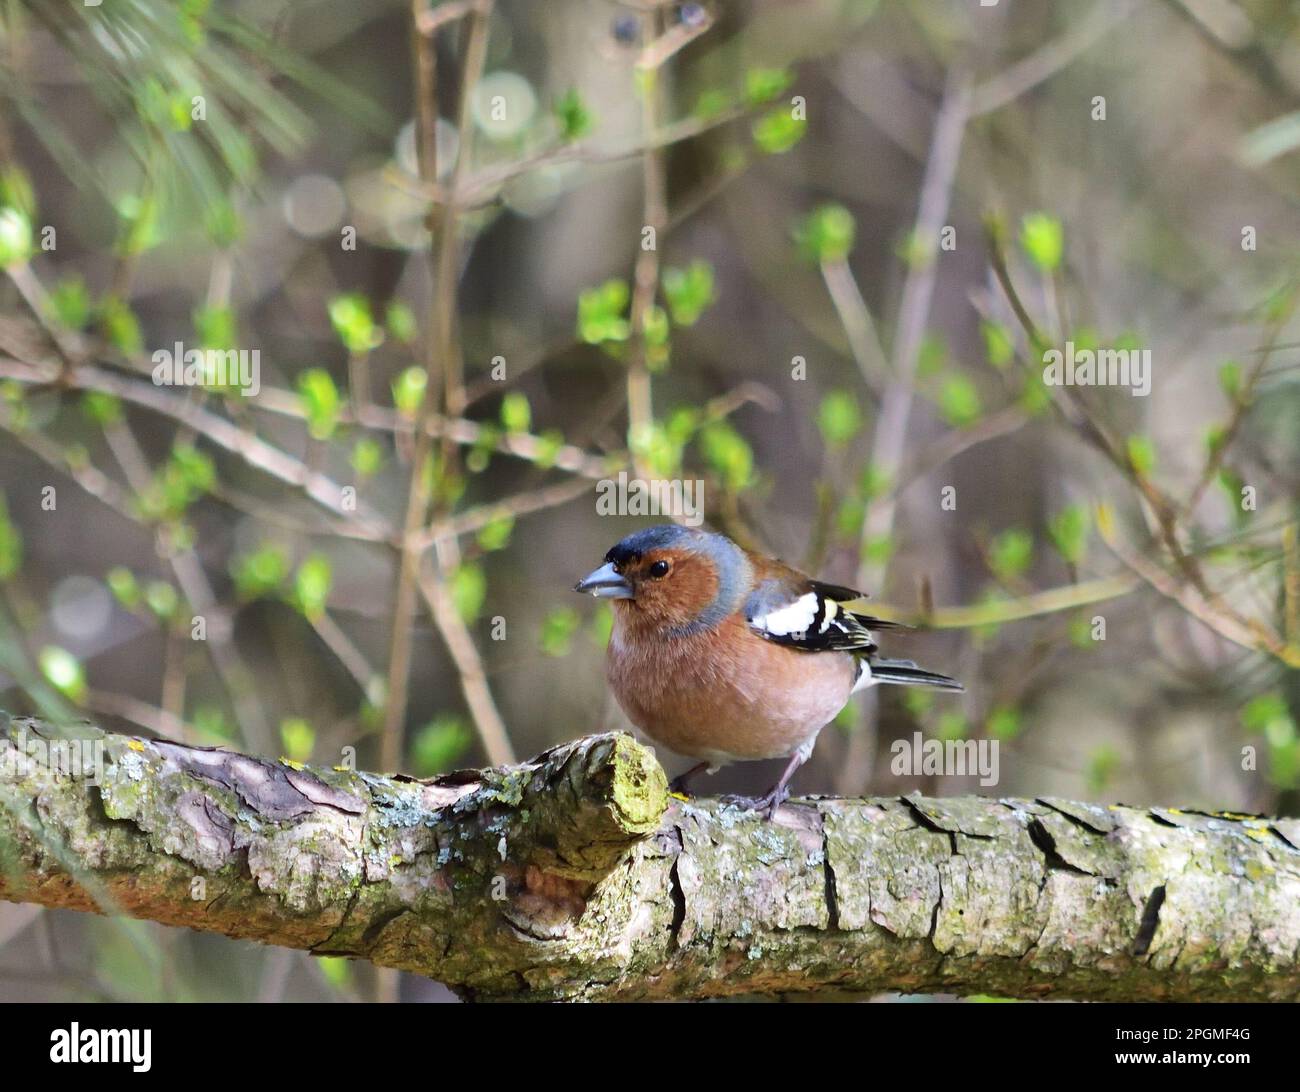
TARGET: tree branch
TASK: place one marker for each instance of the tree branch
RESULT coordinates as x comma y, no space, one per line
575,876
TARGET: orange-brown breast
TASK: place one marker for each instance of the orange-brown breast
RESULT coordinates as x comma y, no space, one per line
725,694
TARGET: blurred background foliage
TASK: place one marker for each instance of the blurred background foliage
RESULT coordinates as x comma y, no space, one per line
870,219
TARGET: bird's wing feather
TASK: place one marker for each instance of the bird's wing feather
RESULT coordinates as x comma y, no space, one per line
790,609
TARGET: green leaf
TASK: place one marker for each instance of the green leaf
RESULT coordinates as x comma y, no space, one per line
656,332
1102,764
367,457
601,313
298,738
1068,530
1011,553
261,573
917,250
311,585
933,355
1284,764
64,672
216,327
1141,454
138,227
1268,715
336,969
440,744
839,418
689,291
558,628
11,544
952,725
495,535
320,401
192,471
209,720
16,190
549,444
711,104
1230,379
1003,724
777,131
1035,396
878,549
119,325
222,225
826,234
516,414
469,591
187,475
161,598
1043,240
1081,632
875,481
1215,436
353,323
15,237
727,454
848,518
70,303
408,390
574,119
762,85
100,408
999,343
918,701
122,583
401,323
661,450
959,401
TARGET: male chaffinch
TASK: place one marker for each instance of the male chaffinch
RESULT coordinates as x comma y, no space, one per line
725,655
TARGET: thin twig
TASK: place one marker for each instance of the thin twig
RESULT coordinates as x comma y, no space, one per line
1048,60
469,667
645,274
890,438
859,327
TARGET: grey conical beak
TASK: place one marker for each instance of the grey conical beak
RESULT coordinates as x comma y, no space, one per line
605,583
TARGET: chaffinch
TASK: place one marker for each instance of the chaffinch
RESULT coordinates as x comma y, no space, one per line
724,655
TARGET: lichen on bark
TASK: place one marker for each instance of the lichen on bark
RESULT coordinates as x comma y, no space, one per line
575,876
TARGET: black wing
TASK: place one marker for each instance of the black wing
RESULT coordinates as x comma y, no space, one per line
811,616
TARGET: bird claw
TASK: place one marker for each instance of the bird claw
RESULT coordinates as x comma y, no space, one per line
768,802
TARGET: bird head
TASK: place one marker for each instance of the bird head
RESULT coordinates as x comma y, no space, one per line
673,577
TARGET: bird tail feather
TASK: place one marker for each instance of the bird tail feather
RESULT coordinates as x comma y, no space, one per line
906,673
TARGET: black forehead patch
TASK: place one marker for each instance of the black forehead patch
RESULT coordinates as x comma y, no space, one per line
640,543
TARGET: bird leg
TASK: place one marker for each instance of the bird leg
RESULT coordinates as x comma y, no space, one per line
779,792
679,783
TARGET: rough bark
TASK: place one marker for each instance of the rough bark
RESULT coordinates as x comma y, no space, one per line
576,876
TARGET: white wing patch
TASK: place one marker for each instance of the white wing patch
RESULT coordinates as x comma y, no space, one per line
797,617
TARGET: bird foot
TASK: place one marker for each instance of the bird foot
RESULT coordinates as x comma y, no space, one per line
767,803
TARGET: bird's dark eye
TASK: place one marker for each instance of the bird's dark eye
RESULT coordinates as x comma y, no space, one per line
658,569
